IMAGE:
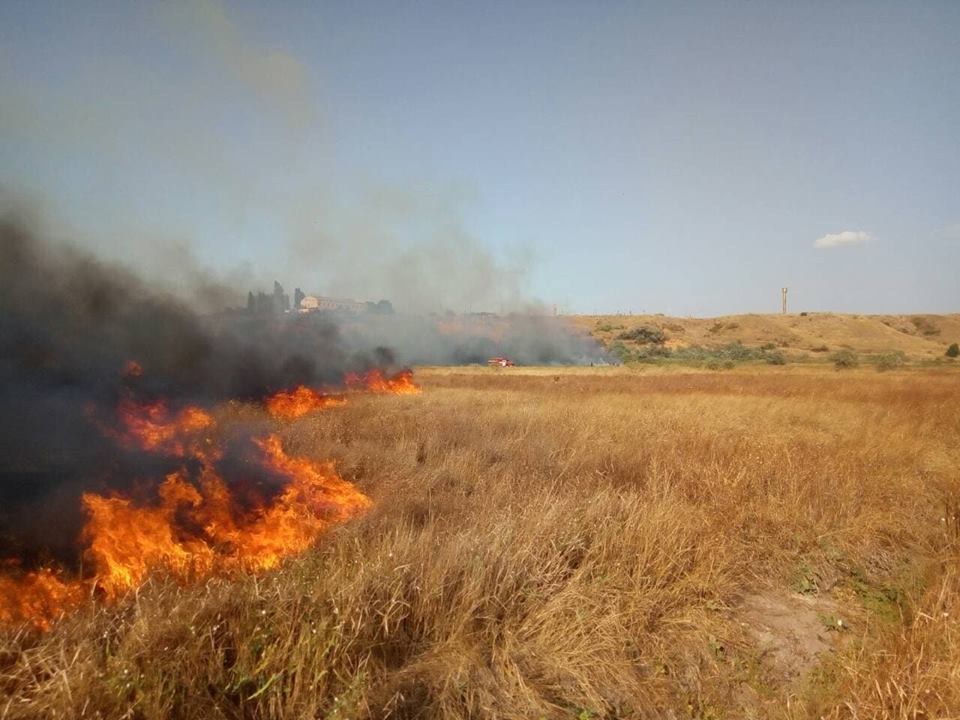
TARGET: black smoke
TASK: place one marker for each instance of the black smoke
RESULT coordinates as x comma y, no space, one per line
70,327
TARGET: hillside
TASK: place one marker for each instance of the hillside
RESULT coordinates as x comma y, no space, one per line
917,336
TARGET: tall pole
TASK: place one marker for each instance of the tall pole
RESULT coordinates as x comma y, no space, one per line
783,293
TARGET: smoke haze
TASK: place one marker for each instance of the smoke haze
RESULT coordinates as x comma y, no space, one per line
71,324
225,154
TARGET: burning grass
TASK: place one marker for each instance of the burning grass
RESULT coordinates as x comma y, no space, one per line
195,526
562,545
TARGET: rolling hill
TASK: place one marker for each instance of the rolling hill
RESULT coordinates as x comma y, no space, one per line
917,336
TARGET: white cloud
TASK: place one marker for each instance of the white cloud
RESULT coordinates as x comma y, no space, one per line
950,233
844,237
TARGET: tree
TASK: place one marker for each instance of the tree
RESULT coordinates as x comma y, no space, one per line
953,351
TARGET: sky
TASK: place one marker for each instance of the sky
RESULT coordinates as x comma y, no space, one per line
684,158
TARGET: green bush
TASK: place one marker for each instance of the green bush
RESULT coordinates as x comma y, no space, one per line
724,357
620,351
890,361
651,352
644,335
953,351
844,359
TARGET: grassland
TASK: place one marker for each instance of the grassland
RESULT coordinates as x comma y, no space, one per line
808,336
594,543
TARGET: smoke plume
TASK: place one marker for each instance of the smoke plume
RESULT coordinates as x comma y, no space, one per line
74,328
79,336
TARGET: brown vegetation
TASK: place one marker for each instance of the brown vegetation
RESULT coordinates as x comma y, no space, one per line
918,336
571,544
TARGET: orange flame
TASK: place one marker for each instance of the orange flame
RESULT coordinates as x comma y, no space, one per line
303,400
38,598
375,381
153,428
194,532
196,527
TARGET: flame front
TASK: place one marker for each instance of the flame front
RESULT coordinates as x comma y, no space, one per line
38,597
152,427
375,381
303,400
196,527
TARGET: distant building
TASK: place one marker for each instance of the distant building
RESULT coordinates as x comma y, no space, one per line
313,303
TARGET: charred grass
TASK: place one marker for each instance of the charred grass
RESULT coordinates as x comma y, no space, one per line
567,545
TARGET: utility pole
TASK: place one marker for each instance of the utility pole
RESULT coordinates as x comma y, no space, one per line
783,293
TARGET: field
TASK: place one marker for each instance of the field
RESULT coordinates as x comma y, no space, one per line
798,336
580,543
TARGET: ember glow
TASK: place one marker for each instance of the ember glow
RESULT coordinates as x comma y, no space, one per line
191,525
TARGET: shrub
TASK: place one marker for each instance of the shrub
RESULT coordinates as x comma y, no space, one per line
776,358
644,335
820,348
620,351
953,351
890,361
844,359
651,352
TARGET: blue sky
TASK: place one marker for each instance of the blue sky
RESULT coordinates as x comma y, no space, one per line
686,158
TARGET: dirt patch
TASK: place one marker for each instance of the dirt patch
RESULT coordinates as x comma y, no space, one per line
792,631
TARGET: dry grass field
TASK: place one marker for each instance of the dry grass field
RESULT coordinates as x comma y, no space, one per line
591,543
916,336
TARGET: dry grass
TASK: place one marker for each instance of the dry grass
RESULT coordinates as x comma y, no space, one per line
917,336
567,545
